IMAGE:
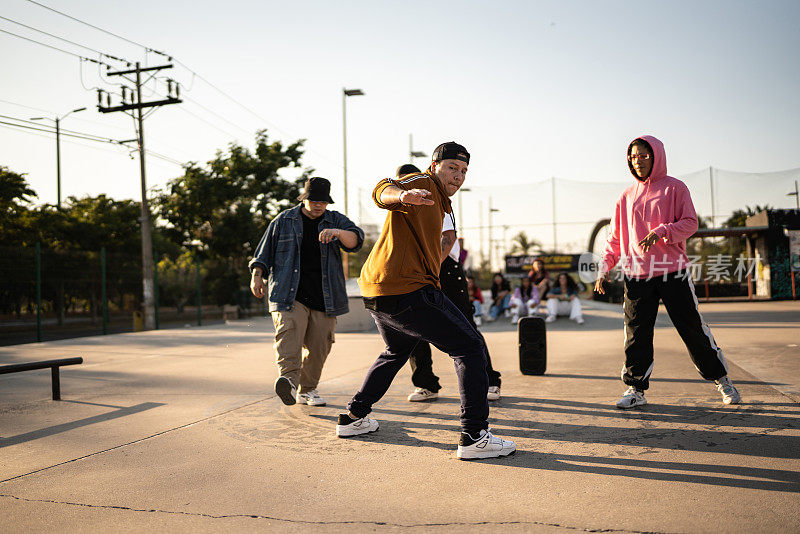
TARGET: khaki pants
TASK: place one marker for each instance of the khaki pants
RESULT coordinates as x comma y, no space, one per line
303,340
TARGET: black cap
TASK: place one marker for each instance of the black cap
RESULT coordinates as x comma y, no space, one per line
451,150
407,168
317,190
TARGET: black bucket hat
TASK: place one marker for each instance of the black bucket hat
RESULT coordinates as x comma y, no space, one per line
317,190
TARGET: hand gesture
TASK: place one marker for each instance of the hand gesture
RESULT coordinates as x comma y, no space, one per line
416,197
648,241
598,285
328,235
257,285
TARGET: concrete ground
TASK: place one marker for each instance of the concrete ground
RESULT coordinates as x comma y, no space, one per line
180,430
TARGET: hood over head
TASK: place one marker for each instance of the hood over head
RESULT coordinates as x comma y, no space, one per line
659,169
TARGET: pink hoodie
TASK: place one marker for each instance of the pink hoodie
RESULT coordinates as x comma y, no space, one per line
661,204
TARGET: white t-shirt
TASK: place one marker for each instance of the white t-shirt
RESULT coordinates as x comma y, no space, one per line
449,223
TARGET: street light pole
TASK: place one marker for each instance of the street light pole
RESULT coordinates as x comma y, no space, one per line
58,162
345,94
58,120
491,244
414,153
461,208
795,194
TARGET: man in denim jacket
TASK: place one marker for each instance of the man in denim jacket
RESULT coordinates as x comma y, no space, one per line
300,254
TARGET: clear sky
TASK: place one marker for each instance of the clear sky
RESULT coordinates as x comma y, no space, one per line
533,89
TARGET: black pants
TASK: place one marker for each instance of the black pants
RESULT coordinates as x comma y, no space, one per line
427,314
454,285
641,309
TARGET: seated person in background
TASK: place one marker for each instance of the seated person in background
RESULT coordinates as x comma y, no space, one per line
562,299
540,278
476,297
501,296
525,300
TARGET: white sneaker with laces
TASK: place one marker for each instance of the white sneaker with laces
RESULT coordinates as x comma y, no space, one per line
347,426
631,398
730,395
550,319
422,395
311,398
286,390
579,319
493,394
486,446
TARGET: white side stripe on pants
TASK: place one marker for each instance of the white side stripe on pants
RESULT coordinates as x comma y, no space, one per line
706,329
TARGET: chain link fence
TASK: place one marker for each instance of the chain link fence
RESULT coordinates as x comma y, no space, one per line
48,294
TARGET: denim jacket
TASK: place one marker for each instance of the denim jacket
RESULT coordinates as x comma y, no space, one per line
278,255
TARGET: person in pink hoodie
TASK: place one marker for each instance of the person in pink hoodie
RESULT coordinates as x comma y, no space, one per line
651,222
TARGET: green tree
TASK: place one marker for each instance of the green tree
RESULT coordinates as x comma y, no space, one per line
14,189
219,211
15,204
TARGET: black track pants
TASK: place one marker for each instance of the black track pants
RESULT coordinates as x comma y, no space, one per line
454,285
641,307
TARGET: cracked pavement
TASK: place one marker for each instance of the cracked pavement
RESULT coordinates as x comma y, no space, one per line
180,430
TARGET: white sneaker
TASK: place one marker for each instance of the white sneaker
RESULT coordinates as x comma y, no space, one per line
311,398
423,395
631,398
730,395
348,426
579,319
507,313
493,393
486,446
550,319
514,319
477,320
286,390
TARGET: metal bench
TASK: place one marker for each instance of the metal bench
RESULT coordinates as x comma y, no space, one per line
52,364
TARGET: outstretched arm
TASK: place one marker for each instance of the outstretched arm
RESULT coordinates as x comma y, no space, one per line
411,197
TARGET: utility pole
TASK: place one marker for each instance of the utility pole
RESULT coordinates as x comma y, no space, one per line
136,105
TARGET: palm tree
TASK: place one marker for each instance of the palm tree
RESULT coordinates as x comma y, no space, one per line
522,244
738,217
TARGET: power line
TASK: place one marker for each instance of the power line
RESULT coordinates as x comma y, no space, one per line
195,102
86,137
98,52
198,117
120,128
28,107
194,74
39,124
56,48
147,48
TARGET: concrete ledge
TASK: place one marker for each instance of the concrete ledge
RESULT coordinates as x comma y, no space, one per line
357,319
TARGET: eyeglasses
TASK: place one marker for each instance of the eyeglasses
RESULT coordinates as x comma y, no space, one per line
634,157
